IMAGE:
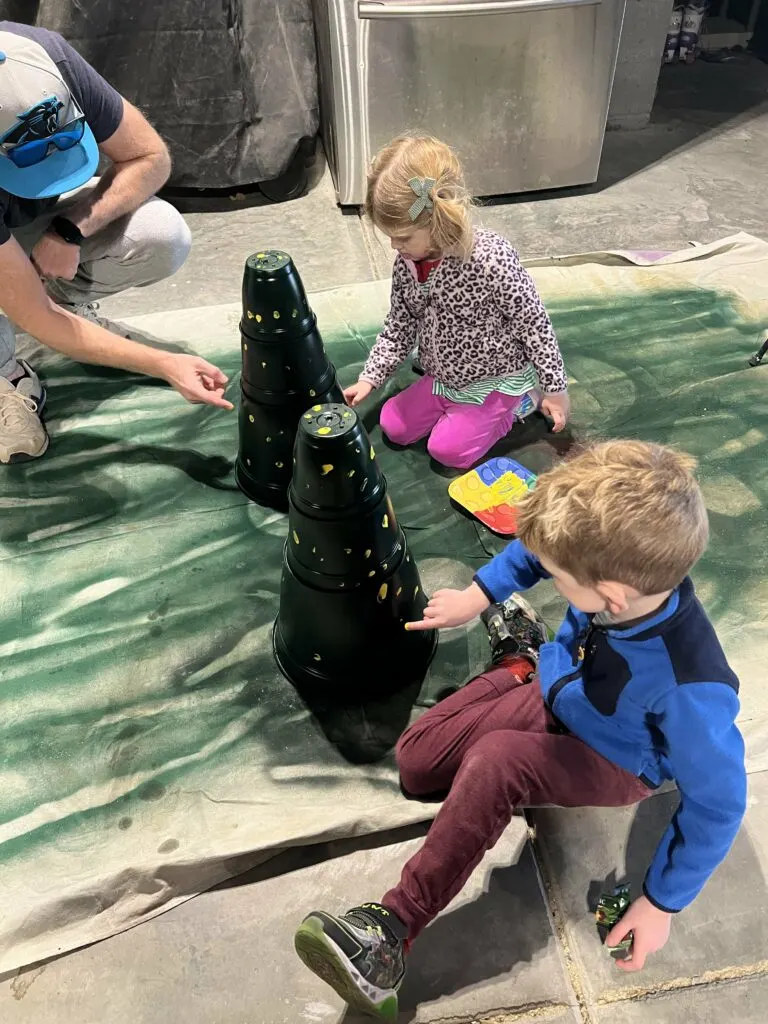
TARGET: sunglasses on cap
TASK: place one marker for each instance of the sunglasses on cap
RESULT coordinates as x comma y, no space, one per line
27,154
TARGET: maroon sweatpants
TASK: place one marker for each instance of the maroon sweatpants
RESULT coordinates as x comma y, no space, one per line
496,747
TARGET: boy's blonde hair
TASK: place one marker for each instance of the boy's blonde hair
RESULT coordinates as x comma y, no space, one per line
390,197
623,511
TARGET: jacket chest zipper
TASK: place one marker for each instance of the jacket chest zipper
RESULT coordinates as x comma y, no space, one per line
572,676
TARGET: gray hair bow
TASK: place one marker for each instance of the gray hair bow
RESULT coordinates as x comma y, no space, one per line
422,189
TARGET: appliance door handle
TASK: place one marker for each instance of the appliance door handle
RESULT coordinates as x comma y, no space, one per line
382,9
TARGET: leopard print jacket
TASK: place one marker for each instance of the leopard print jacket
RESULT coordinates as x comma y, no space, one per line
482,318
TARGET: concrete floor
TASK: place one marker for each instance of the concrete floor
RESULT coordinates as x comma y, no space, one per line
519,944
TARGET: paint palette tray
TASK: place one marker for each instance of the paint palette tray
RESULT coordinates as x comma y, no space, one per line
492,491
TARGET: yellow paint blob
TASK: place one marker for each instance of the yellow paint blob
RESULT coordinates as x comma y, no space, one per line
382,592
314,551
367,552
275,314
268,439
295,313
261,255
307,415
347,551
385,522
316,408
385,567
245,347
258,318
249,314
398,592
326,469
373,453
324,430
250,417
247,462
279,465
415,591
312,392
317,657
351,473
372,573
263,366
295,537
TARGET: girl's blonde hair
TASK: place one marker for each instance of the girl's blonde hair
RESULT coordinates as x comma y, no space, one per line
390,196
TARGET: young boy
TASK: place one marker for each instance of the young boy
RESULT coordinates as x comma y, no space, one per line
634,690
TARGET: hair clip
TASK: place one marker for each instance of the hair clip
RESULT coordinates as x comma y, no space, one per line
422,189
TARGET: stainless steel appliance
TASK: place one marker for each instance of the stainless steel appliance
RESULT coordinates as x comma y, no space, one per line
519,87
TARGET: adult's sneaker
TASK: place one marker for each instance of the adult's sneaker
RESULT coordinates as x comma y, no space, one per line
22,434
360,954
514,628
90,311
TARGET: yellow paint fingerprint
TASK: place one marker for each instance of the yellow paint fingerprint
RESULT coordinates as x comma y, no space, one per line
326,469
279,465
372,573
385,522
367,552
312,392
258,318
398,592
261,255
382,592
275,314
307,415
295,537
316,408
324,430
250,417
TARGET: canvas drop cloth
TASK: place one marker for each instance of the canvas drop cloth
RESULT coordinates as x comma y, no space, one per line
149,748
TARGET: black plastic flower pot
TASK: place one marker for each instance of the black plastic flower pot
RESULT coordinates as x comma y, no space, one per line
285,370
349,584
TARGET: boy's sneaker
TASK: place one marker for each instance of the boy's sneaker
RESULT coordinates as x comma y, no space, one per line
360,954
514,628
22,434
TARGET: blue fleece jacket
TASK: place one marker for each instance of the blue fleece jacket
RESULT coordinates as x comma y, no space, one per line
656,697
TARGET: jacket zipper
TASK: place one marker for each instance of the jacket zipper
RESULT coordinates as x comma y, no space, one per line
558,686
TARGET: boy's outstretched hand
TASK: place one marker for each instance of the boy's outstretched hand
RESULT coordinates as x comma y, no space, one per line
650,927
449,608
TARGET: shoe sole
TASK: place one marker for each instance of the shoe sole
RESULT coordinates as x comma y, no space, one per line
324,958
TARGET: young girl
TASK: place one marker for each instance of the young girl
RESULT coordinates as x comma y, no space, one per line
485,342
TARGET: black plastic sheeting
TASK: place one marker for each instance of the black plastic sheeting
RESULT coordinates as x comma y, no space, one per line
231,85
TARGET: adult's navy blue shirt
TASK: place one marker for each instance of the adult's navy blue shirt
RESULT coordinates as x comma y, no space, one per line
100,103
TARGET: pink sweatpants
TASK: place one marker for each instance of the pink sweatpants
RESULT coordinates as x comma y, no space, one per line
459,434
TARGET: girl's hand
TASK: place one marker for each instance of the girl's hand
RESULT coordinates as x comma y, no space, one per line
357,393
449,608
651,928
557,408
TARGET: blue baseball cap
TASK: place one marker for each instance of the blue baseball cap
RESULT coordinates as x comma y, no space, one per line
46,146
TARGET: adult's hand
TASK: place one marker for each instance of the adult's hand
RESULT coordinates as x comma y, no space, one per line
450,608
56,259
356,393
197,380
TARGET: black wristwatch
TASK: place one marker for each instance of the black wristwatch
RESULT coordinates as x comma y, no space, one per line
67,230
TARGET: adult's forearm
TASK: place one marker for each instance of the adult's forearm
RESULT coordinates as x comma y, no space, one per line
122,189
86,342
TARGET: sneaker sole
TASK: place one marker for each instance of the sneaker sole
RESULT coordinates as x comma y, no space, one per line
323,957
18,457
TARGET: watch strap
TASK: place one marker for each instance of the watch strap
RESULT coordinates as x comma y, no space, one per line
65,229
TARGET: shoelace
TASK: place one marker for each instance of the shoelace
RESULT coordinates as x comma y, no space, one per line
15,409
